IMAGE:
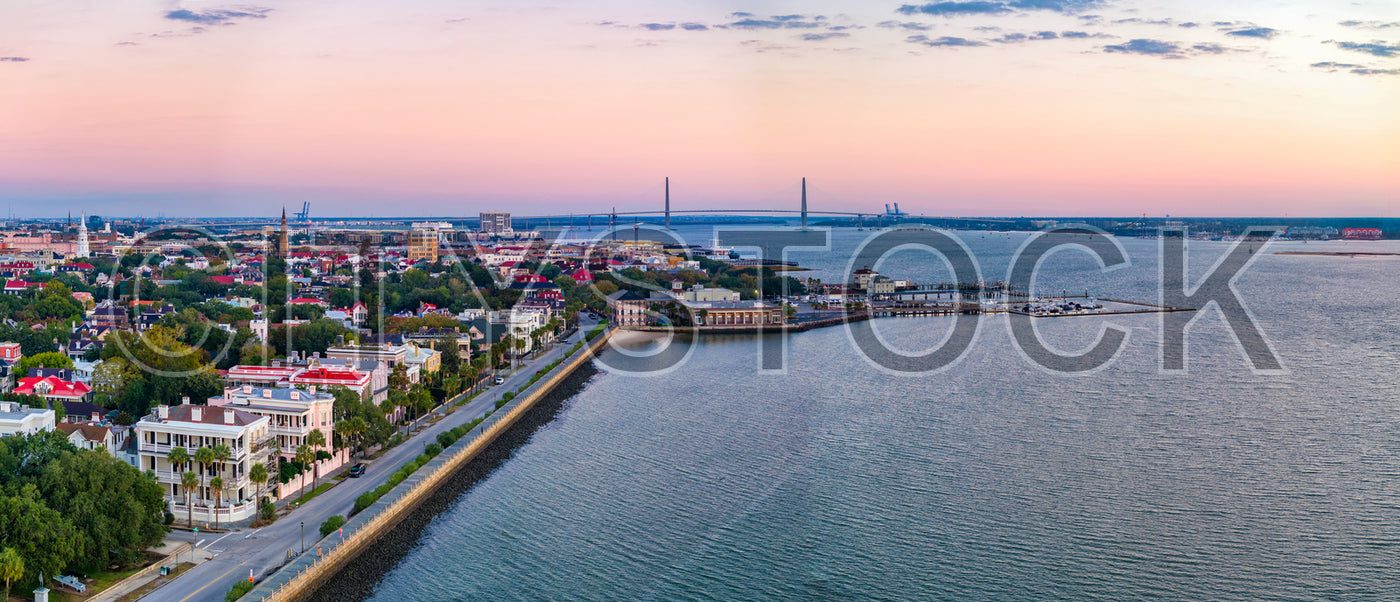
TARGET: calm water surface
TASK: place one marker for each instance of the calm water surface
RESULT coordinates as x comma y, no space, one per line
993,480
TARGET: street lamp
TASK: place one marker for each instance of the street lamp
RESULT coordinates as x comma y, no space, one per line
303,536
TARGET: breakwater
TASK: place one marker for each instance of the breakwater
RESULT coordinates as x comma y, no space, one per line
311,571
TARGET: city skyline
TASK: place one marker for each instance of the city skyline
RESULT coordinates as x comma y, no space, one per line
1022,107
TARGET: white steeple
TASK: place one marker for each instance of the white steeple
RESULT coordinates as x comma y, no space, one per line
83,250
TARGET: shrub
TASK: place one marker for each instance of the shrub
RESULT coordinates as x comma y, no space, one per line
422,458
445,439
507,397
332,524
268,511
238,590
433,449
169,516
365,500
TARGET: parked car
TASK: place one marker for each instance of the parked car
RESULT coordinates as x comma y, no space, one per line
357,471
500,380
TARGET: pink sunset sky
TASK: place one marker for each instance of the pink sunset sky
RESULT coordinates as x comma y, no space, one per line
988,107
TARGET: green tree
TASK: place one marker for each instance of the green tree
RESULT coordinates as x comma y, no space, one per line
304,456
203,456
315,439
51,359
41,536
258,475
188,481
116,511
217,483
12,568
109,381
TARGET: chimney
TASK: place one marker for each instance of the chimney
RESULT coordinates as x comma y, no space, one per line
267,393
95,417
184,401
296,395
228,416
316,355
162,411
196,415
313,390
247,389
339,340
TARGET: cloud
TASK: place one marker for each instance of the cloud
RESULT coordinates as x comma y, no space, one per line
217,15
740,15
694,26
1188,24
949,9
1147,47
1012,38
1139,21
1210,49
1083,35
14,59
818,37
1377,48
943,41
763,46
906,25
1267,33
779,22
1370,24
1333,67
658,26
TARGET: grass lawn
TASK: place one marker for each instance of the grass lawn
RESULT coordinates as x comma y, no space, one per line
312,495
99,581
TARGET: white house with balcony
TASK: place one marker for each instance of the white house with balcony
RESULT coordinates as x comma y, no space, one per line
292,415
248,437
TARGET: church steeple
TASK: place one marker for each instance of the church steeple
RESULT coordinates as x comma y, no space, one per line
282,243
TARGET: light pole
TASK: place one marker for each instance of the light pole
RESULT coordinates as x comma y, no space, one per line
303,536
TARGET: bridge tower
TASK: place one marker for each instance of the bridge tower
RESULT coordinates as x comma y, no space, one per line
804,203
668,203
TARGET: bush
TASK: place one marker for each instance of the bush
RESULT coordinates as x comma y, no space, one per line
446,439
238,590
332,524
268,511
422,459
365,500
433,449
169,516
508,396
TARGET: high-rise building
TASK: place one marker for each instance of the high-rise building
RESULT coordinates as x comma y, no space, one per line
495,223
422,246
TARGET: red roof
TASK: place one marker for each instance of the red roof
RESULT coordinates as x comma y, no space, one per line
306,301
14,285
81,266
581,275
224,280
51,386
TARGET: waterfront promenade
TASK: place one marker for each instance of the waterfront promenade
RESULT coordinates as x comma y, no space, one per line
262,551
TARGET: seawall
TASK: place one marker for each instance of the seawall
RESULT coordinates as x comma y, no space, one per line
301,577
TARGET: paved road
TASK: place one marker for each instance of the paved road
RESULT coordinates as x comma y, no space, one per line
262,550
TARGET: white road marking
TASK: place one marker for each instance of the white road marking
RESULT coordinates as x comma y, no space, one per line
200,544
252,533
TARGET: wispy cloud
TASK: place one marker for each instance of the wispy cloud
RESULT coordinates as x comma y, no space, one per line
779,22
1147,47
215,16
1370,24
905,25
1333,67
818,37
657,26
1376,48
951,9
1083,35
14,59
949,41
1266,33
694,26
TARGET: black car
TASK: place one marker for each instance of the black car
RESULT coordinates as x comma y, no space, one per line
356,471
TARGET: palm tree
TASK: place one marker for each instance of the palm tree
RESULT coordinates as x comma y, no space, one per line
221,455
316,439
177,458
258,474
304,455
218,484
188,481
11,568
204,457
